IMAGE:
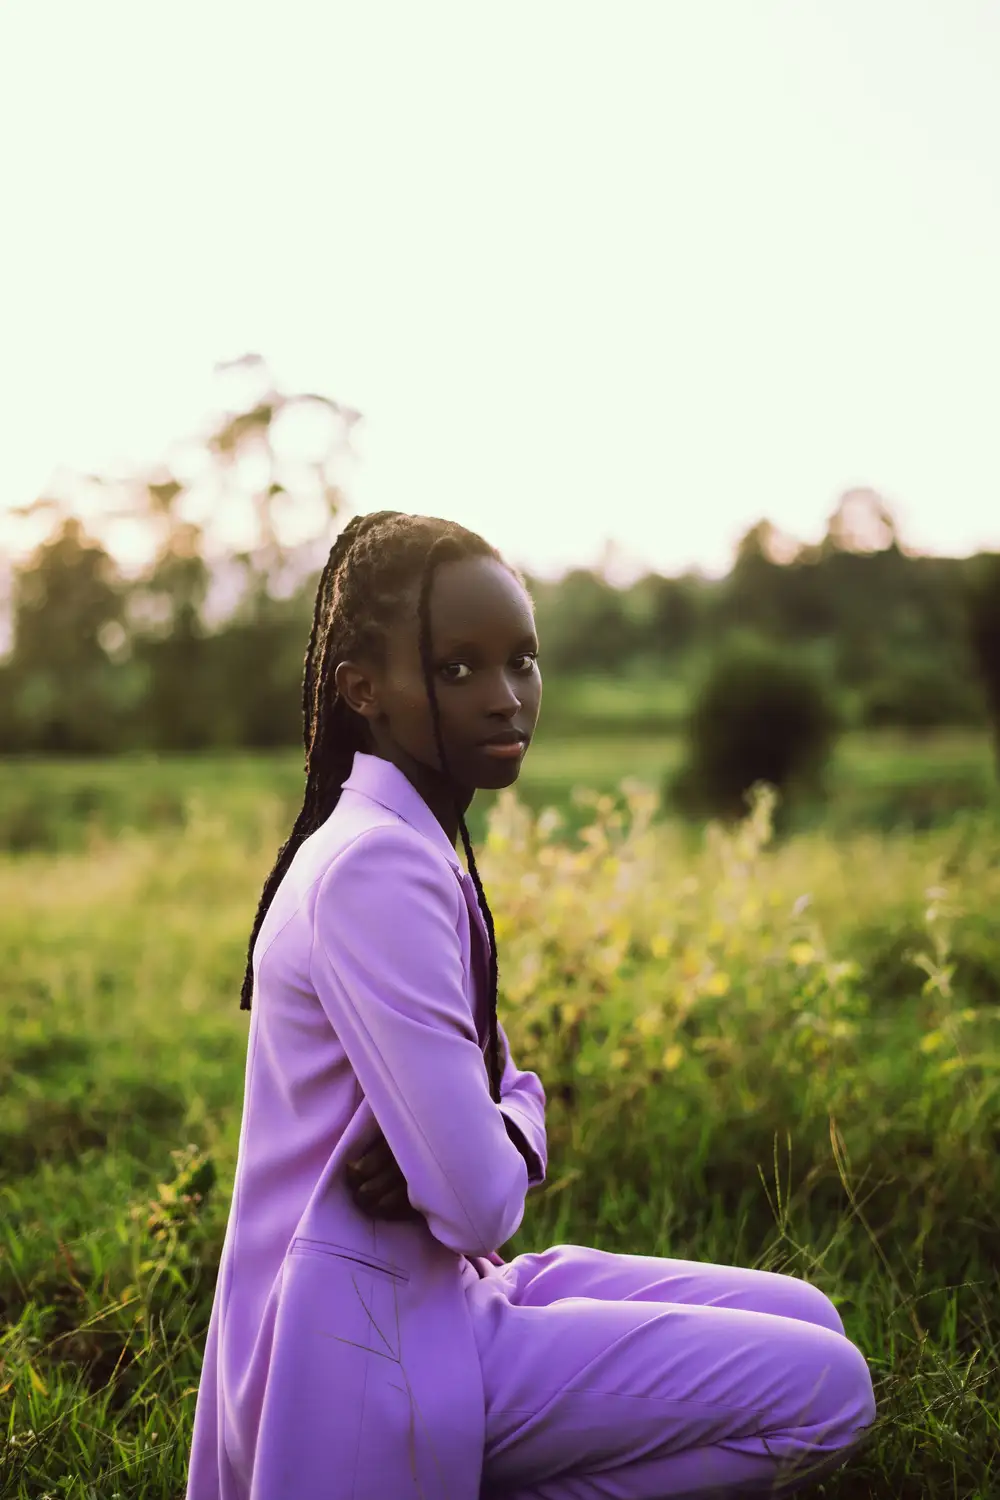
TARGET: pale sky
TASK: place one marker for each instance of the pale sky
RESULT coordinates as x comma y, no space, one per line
633,271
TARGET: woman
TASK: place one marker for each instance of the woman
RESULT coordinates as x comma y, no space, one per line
367,1341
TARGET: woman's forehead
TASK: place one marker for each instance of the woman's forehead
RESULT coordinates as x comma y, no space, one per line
478,600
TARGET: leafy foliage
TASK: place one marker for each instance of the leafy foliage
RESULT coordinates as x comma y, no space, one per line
204,648
759,716
984,622
799,1036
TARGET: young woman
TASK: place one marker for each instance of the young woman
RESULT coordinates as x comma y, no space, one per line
367,1341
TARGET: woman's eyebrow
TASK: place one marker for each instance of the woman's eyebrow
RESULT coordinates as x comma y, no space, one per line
528,639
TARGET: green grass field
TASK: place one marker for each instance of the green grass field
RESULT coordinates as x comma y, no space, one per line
876,781
780,1054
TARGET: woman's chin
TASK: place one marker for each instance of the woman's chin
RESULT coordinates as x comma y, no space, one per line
498,771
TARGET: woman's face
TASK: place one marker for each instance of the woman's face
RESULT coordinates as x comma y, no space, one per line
486,678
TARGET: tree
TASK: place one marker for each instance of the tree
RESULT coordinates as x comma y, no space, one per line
68,602
252,431
168,641
983,613
749,597
585,624
861,522
674,612
100,661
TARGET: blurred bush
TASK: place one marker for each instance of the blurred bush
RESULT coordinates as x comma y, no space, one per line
983,612
758,716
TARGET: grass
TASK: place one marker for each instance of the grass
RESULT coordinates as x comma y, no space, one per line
876,780
780,1054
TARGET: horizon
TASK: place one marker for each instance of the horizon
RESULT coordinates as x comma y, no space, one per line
716,267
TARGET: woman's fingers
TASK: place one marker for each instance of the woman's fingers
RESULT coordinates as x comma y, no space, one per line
385,1197
378,1158
375,1159
396,1205
377,1184
380,1183
392,1205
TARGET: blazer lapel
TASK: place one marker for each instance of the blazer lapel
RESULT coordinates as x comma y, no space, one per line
385,783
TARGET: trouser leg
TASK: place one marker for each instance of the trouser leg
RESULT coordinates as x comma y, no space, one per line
613,1377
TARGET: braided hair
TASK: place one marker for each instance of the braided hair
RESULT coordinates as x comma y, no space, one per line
362,589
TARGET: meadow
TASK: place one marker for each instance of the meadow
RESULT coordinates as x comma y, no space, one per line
776,1052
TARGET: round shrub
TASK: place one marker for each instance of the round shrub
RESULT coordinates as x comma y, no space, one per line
759,715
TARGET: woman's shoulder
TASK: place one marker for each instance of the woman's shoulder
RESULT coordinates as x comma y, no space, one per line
389,850
389,880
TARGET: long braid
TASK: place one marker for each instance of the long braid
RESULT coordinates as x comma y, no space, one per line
444,547
313,719
363,587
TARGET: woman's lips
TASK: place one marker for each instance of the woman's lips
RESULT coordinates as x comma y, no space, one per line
504,752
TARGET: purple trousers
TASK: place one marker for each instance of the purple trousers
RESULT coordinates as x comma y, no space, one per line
628,1377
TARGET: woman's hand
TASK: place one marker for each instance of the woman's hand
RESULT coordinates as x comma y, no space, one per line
378,1187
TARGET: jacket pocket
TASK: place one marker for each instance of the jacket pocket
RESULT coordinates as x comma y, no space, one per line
303,1245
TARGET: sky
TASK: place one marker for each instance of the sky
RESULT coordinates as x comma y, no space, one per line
622,276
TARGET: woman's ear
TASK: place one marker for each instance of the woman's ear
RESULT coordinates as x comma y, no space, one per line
357,689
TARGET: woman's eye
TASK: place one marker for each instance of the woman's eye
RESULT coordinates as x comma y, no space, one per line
528,656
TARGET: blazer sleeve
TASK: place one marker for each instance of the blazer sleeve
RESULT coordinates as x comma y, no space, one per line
386,963
522,1105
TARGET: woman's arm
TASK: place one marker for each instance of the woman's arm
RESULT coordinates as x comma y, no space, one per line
522,1105
386,964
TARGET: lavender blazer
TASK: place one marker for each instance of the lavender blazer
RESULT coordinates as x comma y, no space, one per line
340,1362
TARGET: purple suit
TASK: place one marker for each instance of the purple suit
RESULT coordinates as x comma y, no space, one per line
355,1359
340,1360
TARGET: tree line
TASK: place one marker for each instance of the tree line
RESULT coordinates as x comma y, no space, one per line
101,662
